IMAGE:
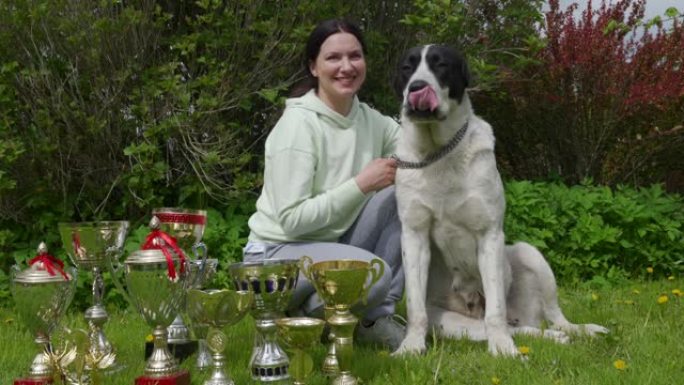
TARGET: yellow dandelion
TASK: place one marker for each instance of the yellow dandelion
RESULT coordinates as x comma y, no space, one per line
649,270
677,292
663,299
620,365
525,350
496,380
149,338
671,278
594,297
636,291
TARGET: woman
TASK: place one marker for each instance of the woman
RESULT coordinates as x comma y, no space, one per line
328,182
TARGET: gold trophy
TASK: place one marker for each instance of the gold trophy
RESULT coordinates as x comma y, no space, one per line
341,284
218,309
298,334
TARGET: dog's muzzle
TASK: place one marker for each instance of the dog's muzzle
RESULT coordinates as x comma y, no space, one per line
421,97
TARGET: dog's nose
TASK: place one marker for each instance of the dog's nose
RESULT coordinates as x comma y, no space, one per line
417,85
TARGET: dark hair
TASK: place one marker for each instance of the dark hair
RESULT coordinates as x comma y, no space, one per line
322,31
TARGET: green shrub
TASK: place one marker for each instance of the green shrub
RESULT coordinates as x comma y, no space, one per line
587,231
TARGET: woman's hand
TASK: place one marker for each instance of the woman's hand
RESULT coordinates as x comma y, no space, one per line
378,174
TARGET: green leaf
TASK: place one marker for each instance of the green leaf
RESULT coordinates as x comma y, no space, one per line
672,12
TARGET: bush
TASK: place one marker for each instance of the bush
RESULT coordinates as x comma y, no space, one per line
605,100
589,231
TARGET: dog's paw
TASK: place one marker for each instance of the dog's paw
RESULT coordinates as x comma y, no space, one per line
502,345
410,345
593,329
587,329
558,336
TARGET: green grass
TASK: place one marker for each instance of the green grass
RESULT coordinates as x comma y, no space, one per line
646,335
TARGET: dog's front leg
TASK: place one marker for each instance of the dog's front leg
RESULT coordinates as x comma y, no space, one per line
416,259
495,272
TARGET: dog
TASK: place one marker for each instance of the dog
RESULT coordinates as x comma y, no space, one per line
461,280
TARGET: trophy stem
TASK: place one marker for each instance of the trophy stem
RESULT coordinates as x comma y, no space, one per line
219,375
204,359
331,367
97,316
342,324
161,360
98,287
269,362
40,367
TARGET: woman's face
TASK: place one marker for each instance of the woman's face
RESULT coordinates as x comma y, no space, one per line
340,68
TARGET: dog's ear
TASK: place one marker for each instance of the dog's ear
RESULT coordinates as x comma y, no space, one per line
465,72
460,75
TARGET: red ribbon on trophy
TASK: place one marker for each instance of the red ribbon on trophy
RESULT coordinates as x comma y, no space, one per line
52,264
160,240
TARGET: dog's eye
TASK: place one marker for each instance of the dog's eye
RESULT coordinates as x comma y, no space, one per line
406,68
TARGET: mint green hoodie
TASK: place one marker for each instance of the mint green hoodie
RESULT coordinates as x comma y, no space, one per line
312,156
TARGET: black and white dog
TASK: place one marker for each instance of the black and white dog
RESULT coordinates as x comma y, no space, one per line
451,204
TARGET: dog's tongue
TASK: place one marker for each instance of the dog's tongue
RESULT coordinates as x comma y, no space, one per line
423,99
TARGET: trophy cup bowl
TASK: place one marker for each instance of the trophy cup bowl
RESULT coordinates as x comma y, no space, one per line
158,298
272,282
186,226
297,335
41,300
341,284
217,309
91,246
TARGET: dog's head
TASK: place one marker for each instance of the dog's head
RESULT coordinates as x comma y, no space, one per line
429,80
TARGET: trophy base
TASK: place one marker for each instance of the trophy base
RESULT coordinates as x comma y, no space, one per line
33,381
180,378
180,350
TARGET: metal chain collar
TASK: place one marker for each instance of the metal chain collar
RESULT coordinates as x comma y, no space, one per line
435,156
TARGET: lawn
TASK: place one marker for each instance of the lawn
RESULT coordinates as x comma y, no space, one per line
645,346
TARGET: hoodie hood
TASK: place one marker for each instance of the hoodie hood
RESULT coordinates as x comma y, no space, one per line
311,102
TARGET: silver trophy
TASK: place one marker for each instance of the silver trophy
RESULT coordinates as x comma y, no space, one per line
186,226
42,294
216,309
272,282
90,245
156,281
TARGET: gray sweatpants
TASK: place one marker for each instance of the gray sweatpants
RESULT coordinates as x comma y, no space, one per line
376,232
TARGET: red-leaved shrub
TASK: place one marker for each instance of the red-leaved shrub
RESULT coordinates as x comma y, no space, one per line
604,101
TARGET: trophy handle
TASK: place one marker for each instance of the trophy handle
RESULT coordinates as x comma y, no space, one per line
375,274
304,263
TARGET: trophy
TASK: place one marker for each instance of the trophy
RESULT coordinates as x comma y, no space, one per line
89,246
217,309
272,282
297,335
341,284
156,281
42,294
185,227
203,360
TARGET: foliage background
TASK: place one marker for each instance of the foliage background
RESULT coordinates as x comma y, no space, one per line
109,108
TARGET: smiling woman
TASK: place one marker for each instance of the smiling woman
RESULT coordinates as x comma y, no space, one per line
328,180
